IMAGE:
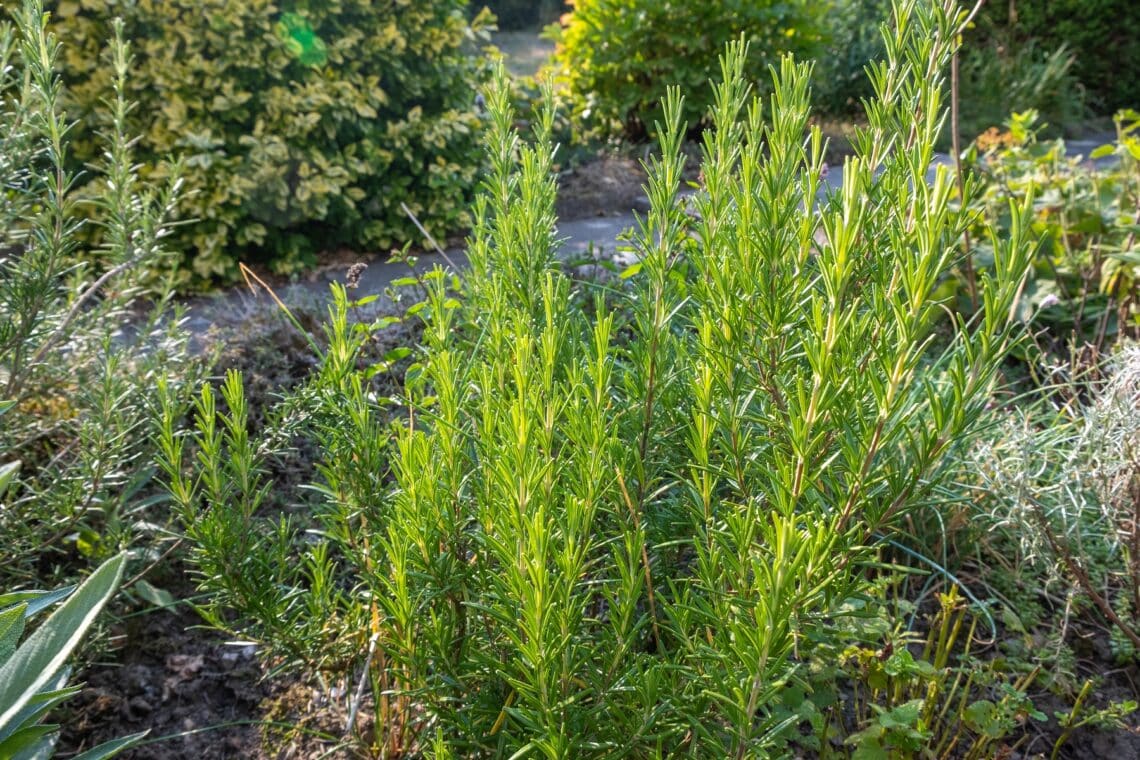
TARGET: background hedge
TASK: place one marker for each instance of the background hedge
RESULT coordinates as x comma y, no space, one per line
1103,35
303,126
619,56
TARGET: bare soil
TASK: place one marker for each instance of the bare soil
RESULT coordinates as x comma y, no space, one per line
200,698
171,678
607,185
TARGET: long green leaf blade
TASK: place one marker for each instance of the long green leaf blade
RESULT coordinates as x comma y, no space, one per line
47,649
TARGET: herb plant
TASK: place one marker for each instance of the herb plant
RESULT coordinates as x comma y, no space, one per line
1085,282
1066,472
932,696
34,673
584,530
85,333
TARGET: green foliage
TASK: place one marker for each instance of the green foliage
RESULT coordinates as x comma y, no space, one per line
1081,716
999,78
618,57
1064,475
82,343
34,674
1085,285
300,130
999,72
941,703
584,530
1099,33
852,40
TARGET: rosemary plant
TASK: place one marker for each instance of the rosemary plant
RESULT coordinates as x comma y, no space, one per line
594,532
83,337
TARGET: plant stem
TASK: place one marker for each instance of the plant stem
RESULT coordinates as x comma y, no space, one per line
633,512
1061,549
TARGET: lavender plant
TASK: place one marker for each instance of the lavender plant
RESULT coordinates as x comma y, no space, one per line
583,531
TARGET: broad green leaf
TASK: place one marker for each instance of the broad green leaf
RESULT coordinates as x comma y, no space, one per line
396,354
50,697
8,471
11,628
155,595
36,601
870,749
42,655
27,741
113,747
982,716
902,717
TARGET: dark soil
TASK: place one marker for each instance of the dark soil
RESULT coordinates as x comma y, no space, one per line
605,186
171,678
198,696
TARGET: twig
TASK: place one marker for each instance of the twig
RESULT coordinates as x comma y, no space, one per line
1062,550
251,278
74,311
359,697
142,573
633,511
956,147
427,235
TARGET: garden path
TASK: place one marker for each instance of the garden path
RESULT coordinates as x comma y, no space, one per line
596,236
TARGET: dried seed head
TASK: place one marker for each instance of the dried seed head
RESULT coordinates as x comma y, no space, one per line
352,277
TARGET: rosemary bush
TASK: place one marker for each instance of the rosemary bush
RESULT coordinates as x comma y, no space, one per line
584,530
81,342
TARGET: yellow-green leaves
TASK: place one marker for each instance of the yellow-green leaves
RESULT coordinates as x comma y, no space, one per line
277,112
300,40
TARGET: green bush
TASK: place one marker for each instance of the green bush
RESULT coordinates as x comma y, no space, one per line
1084,287
618,57
302,128
1000,72
1100,33
623,519
853,39
997,79
82,342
